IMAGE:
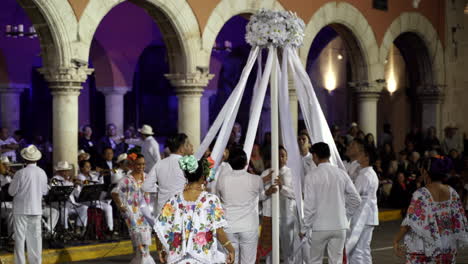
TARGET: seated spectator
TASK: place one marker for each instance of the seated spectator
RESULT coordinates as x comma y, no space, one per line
414,165
8,145
431,141
403,160
352,133
387,136
386,155
457,161
369,141
378,169
361,135
452,140
400,195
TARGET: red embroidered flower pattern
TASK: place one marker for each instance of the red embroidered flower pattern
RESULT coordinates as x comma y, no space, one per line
211,161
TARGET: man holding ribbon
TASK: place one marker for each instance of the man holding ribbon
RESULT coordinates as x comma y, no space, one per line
367,217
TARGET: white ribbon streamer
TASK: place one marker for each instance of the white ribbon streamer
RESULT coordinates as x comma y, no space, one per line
225,119
257,104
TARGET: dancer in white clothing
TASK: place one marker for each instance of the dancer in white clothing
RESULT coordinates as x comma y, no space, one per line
240,193
367,216
329,195
289,220
354,149
27,188
167,174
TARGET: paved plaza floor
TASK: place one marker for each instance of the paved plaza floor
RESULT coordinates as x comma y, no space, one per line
382,251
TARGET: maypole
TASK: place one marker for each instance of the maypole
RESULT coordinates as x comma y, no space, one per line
273,30
275,214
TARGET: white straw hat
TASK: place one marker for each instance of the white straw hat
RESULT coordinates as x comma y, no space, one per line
31,153
62,166
146,130
121,157
82,152
5,160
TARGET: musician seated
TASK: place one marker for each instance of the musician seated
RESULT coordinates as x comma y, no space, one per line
6,204
106,165
120,170
63,172
88,177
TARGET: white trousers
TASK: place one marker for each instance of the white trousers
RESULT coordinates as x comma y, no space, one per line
288,235
362,252
107,208
7,215
52,216
28,229
332,240
81,210
245,245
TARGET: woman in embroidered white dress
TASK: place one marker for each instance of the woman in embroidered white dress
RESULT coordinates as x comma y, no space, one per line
435,224
191,223
131,201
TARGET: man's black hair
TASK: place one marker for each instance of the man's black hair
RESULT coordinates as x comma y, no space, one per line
321,149
174,142
237,158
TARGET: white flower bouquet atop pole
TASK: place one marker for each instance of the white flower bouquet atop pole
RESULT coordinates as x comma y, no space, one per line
277,31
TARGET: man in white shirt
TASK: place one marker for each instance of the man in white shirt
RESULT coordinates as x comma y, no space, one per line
8,145
240,193
62,177
367,216
149,146
354,149
166,178
329,196
27,188
304,148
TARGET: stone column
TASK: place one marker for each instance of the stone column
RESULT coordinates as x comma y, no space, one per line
293,106
189,89
367,97
430,97
65,85
115,106
10,107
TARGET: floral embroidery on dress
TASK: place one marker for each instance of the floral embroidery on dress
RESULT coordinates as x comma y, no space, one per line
436,228
188,229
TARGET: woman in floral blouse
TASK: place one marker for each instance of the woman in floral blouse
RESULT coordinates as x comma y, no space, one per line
191,223
131,200
435,224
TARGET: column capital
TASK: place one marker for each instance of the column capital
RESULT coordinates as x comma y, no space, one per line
65,80
366,89
10,90
117,90
189,80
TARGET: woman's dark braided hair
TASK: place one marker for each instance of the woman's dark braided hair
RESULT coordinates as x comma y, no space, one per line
203,170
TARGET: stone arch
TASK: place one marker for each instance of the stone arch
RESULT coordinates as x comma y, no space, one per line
175,19
109,75
55,24
416,23
224,11
348,21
